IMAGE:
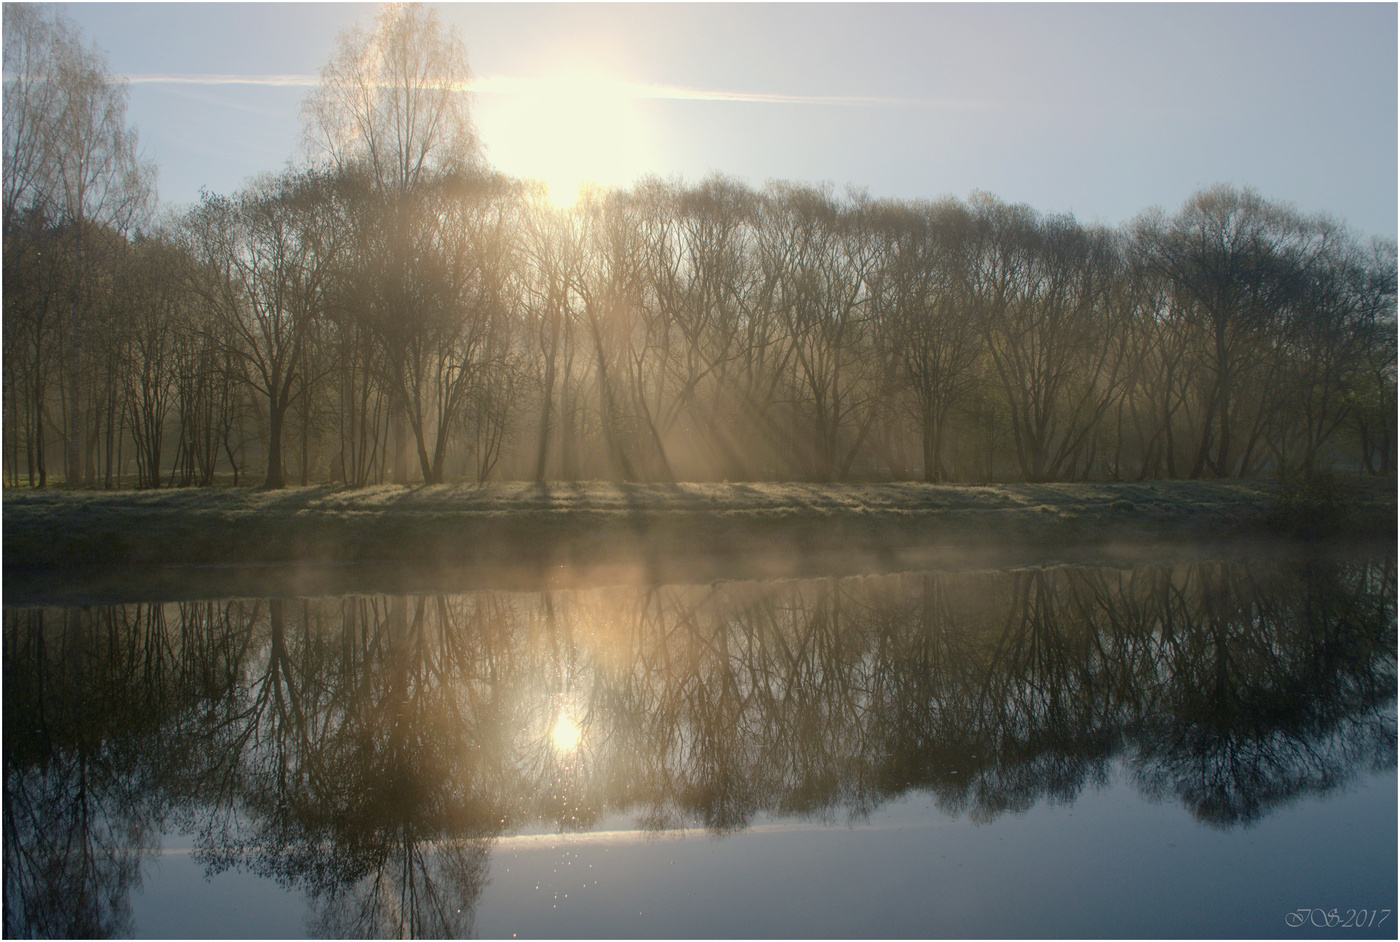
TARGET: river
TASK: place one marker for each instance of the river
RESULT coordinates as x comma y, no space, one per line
1201,748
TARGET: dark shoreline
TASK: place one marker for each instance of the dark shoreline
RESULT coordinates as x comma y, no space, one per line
107,585
321,539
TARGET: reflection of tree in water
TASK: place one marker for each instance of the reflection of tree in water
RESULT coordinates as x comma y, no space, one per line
71,858
351,738
369,749
411,890
1279,689
82,750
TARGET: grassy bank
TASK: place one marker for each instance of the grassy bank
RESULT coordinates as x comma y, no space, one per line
591,523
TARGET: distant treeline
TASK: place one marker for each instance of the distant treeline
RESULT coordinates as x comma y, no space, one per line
397,312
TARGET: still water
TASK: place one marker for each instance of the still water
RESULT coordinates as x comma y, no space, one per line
1201,749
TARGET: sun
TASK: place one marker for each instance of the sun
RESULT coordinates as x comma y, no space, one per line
566,130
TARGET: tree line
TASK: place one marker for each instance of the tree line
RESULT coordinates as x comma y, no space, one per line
393,310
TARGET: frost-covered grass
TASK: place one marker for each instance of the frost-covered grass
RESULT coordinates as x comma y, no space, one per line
464,524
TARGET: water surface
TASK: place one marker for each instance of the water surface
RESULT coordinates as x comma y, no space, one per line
1197,749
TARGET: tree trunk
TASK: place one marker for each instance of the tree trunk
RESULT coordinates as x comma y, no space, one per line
542,453
111,436
73,430
306,438
276,478
398,432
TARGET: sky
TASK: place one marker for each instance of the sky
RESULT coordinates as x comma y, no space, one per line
1100,110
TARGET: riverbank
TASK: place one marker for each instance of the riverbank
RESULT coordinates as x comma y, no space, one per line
570,525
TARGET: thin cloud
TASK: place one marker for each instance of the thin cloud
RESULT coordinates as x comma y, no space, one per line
697,94
510,85
503,84
274,81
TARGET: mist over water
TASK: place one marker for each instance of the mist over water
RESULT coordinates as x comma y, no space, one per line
393,764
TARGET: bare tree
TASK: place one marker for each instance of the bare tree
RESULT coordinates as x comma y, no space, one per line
824,305
151,340
1371,394
36,39
271,249
1158,383
393,108
1238,262
925,315
611,288
1040,288
700,272
70,154
393,101
36,268
550,255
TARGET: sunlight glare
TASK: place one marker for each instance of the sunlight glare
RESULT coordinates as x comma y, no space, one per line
567,130
566,735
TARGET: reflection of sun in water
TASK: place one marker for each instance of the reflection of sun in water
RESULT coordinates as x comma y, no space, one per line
566,734
567,130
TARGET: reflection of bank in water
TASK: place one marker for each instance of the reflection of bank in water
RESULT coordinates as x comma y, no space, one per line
373,749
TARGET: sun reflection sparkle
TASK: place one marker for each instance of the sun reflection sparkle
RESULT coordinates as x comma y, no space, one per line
566,734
